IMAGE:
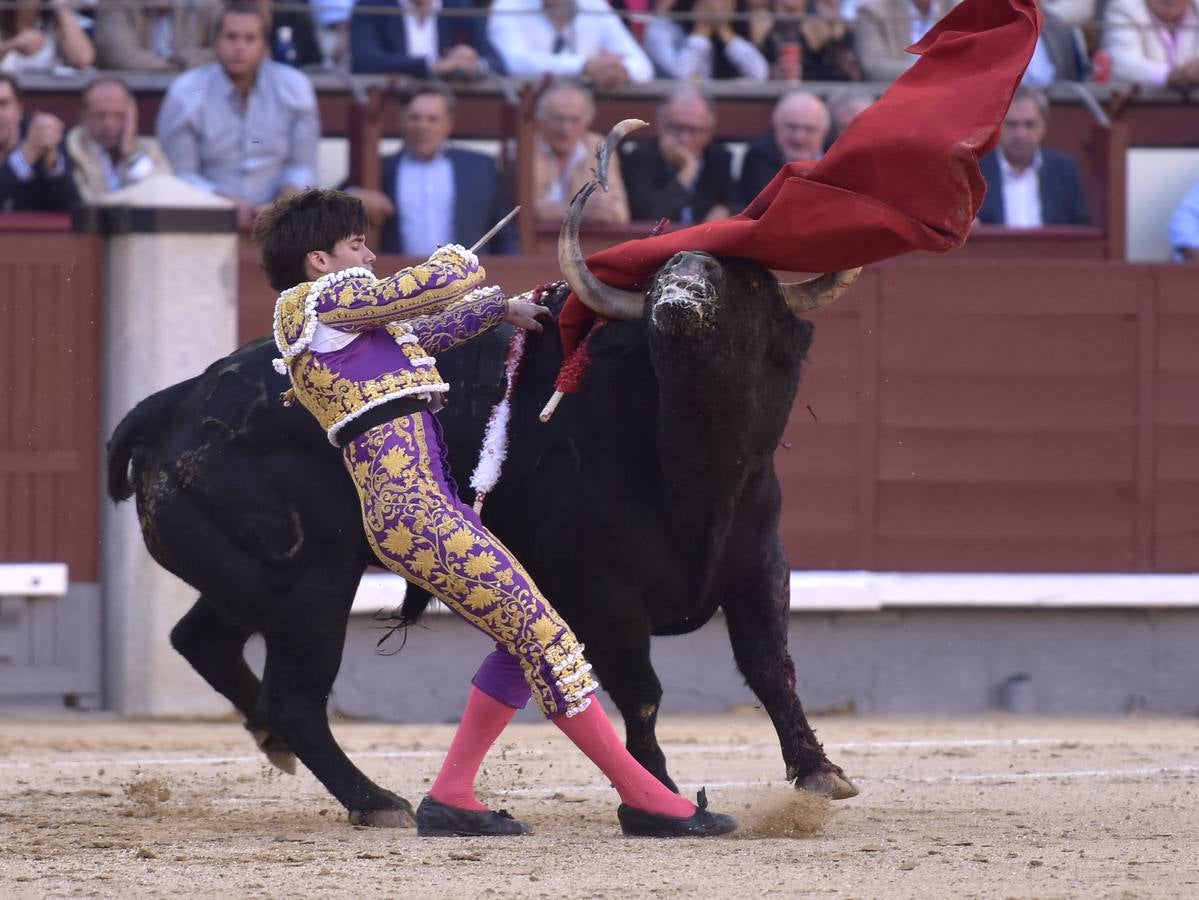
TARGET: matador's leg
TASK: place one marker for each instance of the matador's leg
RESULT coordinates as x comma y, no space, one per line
420,529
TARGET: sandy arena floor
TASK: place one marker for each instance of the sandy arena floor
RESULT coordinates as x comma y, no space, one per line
1003,807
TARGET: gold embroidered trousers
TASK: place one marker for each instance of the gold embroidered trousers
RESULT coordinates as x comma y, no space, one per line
421,529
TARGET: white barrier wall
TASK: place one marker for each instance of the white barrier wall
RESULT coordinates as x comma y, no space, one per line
1157,180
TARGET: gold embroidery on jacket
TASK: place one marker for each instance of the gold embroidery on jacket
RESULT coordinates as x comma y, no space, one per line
410,292
289,323
333,398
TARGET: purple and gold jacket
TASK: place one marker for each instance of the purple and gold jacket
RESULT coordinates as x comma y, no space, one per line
352,342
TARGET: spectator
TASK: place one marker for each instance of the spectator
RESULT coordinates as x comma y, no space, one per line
565,157
421,42
244,127
37,38
1184,228
886,28
435,194
1079,13
1060,55
682,175
571,38
1030,185
34,174
799,126
105,152
293,34
1153,42
808,41
333,30
708,47
131,34
843,107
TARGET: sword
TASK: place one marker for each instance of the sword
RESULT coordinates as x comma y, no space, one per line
495,229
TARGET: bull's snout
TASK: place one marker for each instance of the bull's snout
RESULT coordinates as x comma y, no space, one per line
686,292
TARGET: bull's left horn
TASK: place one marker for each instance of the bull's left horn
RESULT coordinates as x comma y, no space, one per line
805,296
604,299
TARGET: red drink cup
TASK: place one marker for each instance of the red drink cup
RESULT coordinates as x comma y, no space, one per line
791,61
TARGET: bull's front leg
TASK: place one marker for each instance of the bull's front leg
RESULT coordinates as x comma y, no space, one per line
303,653
757,614
619,653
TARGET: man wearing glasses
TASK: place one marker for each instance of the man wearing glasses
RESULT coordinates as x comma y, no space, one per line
682,176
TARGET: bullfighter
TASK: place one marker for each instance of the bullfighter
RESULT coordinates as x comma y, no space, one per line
359,351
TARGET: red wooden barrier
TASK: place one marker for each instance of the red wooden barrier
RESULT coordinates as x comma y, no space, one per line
50,303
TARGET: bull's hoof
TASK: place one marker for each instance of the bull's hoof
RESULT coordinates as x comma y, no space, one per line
278,754
282,759
402,817
827,784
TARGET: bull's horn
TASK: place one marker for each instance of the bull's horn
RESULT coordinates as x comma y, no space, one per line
602,298
805,296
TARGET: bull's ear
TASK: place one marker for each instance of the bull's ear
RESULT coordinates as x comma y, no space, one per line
805,296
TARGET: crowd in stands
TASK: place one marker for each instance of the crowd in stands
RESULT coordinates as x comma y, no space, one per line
240,119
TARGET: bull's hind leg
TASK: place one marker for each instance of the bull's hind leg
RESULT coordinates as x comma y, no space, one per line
215,647
303,654
757,622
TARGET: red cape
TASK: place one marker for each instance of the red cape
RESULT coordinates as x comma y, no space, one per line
904,176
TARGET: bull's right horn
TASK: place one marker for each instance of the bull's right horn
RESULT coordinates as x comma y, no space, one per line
604,299
805,296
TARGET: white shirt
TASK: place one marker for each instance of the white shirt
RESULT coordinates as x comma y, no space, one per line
558,191
424,203
525,38
1041,71
422,36
1021,194
921,22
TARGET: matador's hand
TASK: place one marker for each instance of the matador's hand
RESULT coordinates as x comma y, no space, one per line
524,313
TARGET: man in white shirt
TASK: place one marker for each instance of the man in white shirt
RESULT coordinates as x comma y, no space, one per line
1153,42
567,38
1028,185
243,127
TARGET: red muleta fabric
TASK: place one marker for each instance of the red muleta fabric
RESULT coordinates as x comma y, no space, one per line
904,176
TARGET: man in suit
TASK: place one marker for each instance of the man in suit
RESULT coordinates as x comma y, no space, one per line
799,127
34,171
886,28
1029,185
421,43
682,175
434,194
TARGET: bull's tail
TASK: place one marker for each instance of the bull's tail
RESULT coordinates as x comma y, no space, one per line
416,601
129,437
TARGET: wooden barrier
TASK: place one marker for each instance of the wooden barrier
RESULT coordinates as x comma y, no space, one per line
51,285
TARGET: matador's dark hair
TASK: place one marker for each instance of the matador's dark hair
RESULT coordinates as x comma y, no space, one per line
290,228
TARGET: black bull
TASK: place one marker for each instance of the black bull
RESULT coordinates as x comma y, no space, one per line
648,502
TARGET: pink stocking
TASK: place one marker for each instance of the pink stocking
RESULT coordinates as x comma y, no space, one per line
483,721
593,733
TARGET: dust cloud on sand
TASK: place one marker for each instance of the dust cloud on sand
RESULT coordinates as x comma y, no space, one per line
793,814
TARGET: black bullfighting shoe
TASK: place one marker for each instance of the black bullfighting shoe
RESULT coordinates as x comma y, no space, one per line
435,819
636,823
